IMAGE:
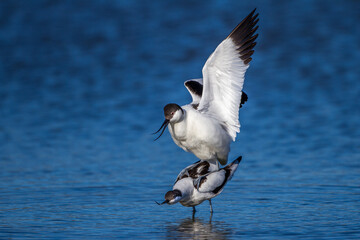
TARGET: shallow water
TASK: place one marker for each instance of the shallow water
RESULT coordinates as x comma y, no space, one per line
83,85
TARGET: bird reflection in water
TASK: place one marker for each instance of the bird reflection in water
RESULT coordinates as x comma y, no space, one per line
196,228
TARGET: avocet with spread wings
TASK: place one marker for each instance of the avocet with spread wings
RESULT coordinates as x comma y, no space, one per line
207,126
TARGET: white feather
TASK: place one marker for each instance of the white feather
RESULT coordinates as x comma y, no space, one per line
213,181
223,79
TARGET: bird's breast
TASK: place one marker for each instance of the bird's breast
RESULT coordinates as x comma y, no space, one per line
178,130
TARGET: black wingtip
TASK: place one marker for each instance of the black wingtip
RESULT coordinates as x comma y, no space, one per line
253,11
238,160
243,36
244,98
246,19
195,87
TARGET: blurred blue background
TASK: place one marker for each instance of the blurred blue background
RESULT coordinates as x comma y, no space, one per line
83,84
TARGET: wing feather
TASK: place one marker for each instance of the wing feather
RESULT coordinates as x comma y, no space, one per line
185,172
212,181
215,181
195,88
224,74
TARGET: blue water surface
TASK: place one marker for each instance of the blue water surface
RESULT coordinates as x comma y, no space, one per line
83,84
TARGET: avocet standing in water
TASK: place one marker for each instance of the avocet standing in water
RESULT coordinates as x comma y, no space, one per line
195,184
207,126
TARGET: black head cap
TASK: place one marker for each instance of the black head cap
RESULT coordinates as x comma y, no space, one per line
171,195
170,109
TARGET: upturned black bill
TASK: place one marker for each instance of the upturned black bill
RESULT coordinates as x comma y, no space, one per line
166,201
163,127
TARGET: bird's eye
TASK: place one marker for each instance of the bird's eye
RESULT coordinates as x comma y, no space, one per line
172,113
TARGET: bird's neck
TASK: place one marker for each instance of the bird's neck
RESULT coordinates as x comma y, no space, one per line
179,128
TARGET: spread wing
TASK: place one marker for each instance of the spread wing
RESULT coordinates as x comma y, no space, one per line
224,73
195,88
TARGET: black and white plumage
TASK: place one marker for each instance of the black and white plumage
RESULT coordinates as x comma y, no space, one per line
195,88
198,169
192,191
210,122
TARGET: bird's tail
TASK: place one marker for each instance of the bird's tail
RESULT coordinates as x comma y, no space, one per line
233,166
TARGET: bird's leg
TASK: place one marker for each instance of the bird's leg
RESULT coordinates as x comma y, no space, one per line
193,213
194,210
211,209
